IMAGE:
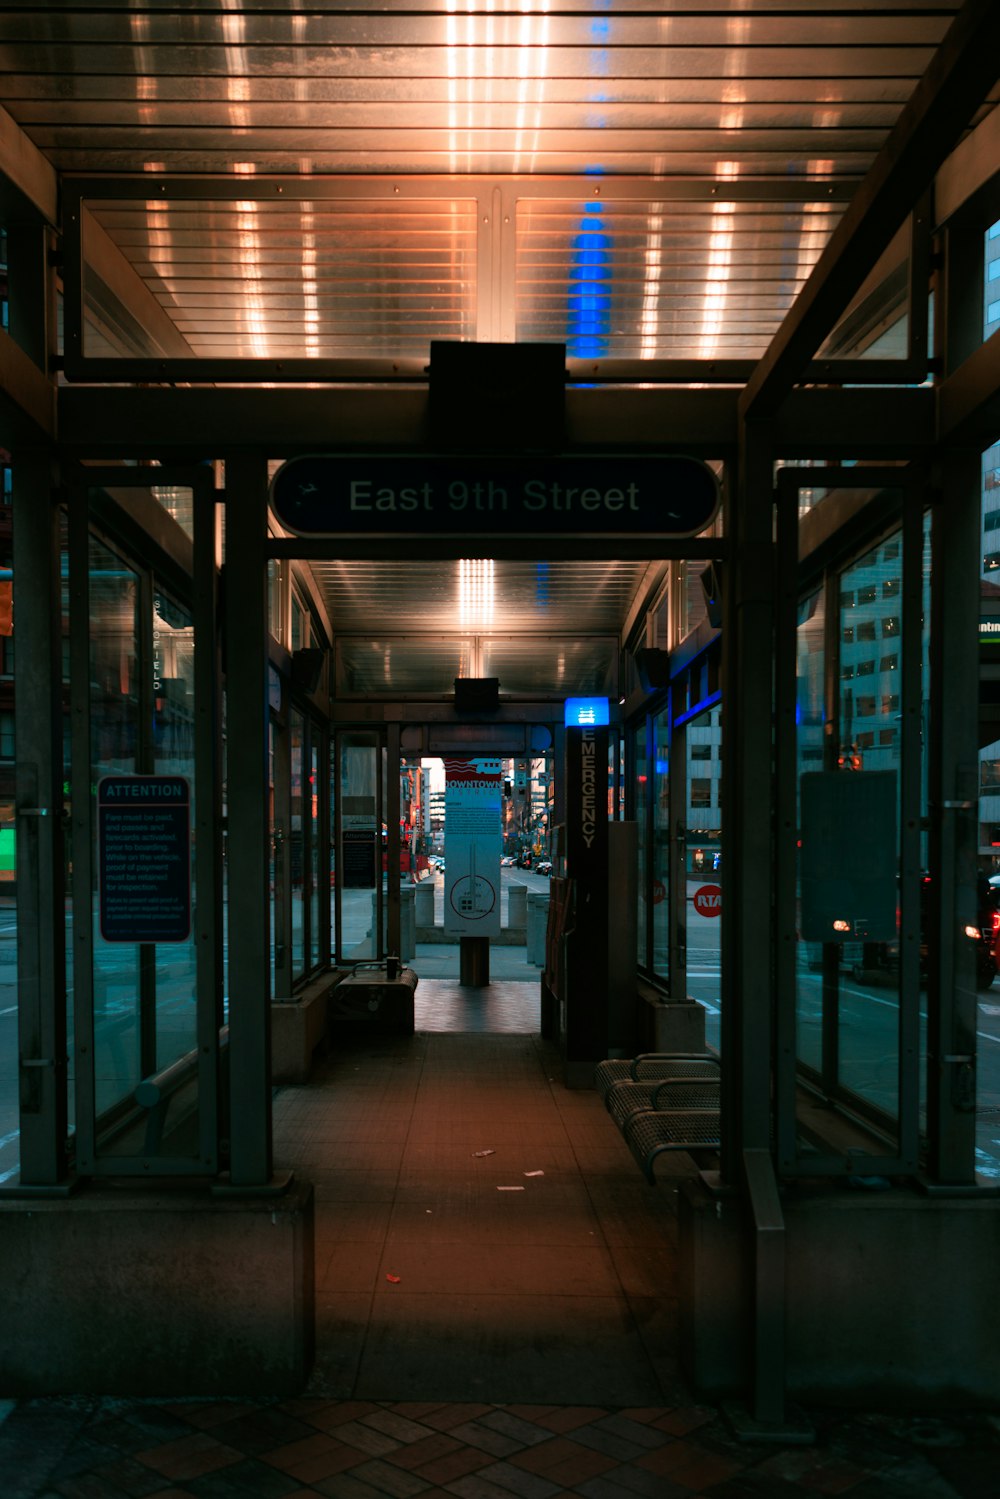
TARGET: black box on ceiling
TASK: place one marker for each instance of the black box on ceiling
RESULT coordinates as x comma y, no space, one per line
477,694
307,667
653,667
499,396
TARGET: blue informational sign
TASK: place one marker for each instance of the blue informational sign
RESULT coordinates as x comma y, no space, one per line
576,495
581,712
144,858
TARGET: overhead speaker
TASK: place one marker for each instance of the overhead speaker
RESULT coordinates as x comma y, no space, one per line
653,667
307,668
477,694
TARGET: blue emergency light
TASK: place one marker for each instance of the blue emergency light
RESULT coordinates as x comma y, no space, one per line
585,712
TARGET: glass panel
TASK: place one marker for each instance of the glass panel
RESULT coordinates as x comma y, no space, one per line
296,862
660,893
333,278
592,273
272,857
178,501
703,913
869,738
991,281
314,883
809,715
359,855
641,785
9,1138
114,708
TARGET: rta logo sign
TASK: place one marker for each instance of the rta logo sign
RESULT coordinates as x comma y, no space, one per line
708,900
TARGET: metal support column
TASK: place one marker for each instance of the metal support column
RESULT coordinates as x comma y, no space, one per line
747,946
41,920
246,729
208,913
954,791
747,645
677,874
393,936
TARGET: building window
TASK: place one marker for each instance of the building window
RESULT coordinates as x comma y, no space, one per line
989,775
866,629
847,673
890,625
866,668
887,736
890,702
864,707
847,635
6,736
867,594
890,587
847,600
701,792
890,663
701,752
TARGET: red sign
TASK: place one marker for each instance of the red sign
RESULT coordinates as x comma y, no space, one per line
708,900
659,892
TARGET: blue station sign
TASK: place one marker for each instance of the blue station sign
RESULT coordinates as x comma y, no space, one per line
578,494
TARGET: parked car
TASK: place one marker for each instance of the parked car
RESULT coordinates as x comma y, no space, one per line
543,866
988,958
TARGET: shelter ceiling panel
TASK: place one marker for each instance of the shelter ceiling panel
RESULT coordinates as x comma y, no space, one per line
563,665
309,278
503,597
664,280
538,86
405,666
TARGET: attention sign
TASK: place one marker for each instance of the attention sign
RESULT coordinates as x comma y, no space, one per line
580,494
144,858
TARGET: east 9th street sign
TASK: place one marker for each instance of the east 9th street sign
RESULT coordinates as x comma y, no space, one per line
581,495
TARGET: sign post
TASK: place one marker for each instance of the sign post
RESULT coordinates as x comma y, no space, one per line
473,837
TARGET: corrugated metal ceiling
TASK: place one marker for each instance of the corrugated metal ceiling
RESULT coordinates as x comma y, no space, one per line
637,180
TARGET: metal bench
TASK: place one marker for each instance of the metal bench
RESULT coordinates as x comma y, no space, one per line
653,1066
650,1132
626,1098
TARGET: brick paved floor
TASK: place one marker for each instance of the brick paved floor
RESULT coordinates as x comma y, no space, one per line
473,1340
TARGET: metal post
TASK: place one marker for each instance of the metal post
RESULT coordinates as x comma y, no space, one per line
677,894
392,804
246,728
208,820
748,935
786,819
41,921
747,644
84,883
953,797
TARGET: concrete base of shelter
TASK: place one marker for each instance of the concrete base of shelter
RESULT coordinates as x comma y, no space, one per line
140,1291
888,1296
298,1026
669,1025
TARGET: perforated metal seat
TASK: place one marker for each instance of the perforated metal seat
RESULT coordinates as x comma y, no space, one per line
627,1097
654,1065
648,1133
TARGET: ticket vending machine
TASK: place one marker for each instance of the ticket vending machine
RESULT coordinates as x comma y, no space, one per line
589,979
